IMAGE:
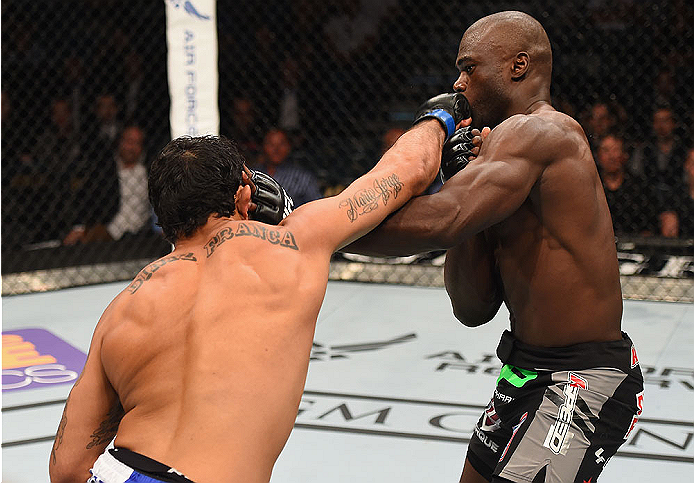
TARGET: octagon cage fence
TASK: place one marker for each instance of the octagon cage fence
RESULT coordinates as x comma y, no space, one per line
84,86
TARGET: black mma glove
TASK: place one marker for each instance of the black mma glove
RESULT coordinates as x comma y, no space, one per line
448,109
456,152
273,204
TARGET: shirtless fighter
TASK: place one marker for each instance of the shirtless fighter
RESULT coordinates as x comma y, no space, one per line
526,223
200,363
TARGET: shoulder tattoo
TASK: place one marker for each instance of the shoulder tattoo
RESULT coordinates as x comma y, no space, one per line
367,200
147,272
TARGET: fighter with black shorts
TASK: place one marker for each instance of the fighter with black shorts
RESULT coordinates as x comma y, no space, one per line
557,414
525,222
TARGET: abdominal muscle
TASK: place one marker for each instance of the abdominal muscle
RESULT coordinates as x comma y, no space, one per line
557,295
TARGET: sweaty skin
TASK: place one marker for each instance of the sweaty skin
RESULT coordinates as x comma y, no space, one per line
207,349
526,222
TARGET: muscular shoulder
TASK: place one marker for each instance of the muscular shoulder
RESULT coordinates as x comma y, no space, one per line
542,137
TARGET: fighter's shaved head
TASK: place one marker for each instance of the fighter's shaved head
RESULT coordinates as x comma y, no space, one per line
505,64
510,32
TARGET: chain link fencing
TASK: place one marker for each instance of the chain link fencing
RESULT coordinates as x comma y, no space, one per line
322,87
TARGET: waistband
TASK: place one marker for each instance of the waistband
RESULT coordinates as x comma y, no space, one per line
147,466
617,354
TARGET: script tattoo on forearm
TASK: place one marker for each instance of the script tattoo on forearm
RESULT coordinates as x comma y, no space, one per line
108,427
283,238
149,270
366,200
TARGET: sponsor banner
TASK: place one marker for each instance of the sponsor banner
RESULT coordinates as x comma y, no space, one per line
191,36
33,358
652,439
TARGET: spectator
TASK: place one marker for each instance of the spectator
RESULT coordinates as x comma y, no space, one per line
600,122
289,101
683,200
107,126
661,158
75,86
58,147
246,130
135,97
278,161
631,209
134,212
686,207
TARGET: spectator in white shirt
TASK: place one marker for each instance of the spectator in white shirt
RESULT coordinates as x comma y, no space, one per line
134,213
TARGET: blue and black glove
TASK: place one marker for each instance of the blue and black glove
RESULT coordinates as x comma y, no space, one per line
448,109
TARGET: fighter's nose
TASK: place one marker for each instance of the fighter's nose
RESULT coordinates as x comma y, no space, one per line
460,85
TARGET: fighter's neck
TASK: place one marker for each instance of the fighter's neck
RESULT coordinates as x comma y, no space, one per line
208,230
536,105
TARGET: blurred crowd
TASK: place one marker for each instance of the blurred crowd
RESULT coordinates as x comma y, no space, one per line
313,92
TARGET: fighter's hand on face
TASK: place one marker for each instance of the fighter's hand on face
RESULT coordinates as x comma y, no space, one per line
461,148
270,203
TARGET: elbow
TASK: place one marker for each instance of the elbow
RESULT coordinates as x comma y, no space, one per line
474,317
470,320
64,472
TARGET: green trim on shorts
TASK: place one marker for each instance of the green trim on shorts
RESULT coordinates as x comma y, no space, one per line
515,375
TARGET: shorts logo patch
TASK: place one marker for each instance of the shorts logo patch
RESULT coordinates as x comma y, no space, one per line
634,357
558,436
490,419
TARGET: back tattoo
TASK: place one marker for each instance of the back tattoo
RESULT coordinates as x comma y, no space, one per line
276,237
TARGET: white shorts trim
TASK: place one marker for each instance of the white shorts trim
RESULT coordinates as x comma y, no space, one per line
108,469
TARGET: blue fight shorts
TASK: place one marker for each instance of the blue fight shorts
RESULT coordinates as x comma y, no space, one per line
120,465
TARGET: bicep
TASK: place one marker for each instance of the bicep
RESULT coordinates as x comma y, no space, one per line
488,190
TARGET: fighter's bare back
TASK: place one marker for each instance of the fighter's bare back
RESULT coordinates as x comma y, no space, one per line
200,362
215,347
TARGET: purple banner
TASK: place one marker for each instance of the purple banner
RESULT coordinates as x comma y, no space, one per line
34,358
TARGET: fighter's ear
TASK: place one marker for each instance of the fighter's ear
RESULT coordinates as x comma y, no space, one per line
520,66
242,199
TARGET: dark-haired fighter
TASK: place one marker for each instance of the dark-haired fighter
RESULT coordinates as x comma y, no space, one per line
526,223
200,363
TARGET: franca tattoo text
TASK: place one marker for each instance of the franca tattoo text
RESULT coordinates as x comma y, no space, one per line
282,238
366,200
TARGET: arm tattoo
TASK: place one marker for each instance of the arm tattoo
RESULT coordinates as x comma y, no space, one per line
59,435
149,270
63,422
108,427
366,200
283,238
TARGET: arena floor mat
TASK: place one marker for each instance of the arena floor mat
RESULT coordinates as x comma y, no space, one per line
394,388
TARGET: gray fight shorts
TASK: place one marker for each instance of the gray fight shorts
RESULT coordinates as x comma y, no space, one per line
558,413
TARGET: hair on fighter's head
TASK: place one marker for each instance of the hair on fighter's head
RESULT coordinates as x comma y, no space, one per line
191,179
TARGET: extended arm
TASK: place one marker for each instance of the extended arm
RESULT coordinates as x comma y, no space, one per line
488,190
404,171
472,281
90,420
